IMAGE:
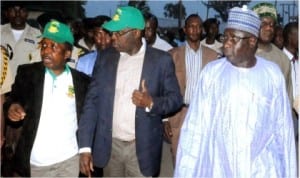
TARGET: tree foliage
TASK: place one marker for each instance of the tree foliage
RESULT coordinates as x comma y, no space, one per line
222,7
175,11
141,5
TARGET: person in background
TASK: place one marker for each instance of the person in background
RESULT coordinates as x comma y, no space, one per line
132,88
189,60
211,27
239,123
47,98
268,16
180,39
17,36
87,41
169,36
220,38
291,45
76,28
150,33
46,17
278,36
102,41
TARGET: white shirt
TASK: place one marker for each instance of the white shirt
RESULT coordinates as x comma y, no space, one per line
161,44
83,44
17,33
193,63
128,78
216,46
56,140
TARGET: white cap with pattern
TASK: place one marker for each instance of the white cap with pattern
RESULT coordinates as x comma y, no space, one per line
244,19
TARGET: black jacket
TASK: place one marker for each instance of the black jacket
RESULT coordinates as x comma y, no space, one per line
28,91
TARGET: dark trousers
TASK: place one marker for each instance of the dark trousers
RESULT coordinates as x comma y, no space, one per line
12,133
98,172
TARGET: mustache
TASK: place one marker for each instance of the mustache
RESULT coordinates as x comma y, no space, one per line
46,56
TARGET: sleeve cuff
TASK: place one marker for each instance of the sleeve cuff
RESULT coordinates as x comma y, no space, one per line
85,150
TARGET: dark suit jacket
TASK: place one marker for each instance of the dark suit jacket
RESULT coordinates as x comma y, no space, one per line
28,91
95,126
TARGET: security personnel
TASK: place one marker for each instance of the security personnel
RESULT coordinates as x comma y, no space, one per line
17,36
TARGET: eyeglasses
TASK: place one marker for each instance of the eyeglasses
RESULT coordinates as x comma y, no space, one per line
121,33
265,24
234,38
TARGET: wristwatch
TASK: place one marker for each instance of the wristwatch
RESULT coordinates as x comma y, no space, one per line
148,108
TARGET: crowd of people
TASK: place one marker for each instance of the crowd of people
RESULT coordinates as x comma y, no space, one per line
107,102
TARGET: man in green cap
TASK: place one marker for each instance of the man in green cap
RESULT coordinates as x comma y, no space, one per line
46,99
266,49
133,87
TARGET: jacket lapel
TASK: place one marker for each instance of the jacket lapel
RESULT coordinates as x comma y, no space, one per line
78,92
38,83
147,67
110,60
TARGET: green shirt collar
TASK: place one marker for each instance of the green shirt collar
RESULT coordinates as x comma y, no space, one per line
53,75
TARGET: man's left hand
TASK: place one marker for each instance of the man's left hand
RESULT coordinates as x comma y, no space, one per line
142,98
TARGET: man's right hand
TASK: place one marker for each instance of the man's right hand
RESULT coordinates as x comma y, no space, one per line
86,164
167,131
16,112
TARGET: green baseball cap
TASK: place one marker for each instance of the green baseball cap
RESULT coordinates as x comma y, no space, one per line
58,32
125,17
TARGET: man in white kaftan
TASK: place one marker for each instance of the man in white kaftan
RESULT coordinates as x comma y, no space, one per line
239,124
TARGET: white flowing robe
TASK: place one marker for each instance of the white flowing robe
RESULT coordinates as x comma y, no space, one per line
239,125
